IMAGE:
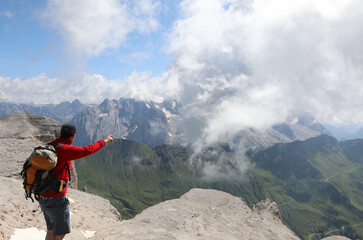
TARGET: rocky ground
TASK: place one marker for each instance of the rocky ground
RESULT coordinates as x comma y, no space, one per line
202,214
89,213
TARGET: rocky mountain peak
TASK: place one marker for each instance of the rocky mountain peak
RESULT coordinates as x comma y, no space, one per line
76,104
203,214
27,126
107,105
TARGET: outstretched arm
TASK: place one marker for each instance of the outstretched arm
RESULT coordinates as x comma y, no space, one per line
73,152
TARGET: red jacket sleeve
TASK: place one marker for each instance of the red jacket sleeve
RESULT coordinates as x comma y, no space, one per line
69,152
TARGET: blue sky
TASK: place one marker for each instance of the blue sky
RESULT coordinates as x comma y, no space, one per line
30,47
232,63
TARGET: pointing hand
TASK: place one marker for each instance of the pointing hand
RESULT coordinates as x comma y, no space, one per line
108,139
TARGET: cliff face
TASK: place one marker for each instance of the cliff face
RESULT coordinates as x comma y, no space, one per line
27,126
142,121
19,134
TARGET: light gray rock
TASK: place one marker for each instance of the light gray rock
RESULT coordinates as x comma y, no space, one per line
88,212
27,126
202,215
142,121
20,133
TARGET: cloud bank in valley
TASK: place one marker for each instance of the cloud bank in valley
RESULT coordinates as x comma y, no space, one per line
235,64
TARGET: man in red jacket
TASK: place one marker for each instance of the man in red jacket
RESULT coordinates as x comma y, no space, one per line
55,205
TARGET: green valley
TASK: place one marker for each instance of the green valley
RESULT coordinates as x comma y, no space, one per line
317,183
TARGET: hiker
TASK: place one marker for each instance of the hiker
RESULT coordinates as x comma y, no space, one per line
55,205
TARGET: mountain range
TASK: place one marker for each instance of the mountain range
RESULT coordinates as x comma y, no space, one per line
62,112
155,123
345,132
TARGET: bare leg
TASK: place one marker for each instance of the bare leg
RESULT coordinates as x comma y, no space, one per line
49,235
60,237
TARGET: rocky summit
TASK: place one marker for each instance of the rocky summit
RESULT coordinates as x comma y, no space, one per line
202,214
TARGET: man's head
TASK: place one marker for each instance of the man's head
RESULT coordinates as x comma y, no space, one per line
68,130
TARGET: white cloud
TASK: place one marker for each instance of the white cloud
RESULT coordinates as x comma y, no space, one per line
90,27
218,163
29,90
88,88
247,63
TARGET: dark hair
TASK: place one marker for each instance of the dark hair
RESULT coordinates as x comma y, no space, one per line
68,130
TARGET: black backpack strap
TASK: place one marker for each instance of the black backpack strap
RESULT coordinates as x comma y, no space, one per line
69,172
57,145
67,165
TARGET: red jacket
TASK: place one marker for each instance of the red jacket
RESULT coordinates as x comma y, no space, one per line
67,153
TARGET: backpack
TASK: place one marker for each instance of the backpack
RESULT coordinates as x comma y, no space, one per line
37,173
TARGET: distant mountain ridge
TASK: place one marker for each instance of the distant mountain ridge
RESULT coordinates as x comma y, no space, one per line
296,127
62,112
158,123
155,123
345,132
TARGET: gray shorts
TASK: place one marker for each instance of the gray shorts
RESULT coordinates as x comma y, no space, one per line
56,214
